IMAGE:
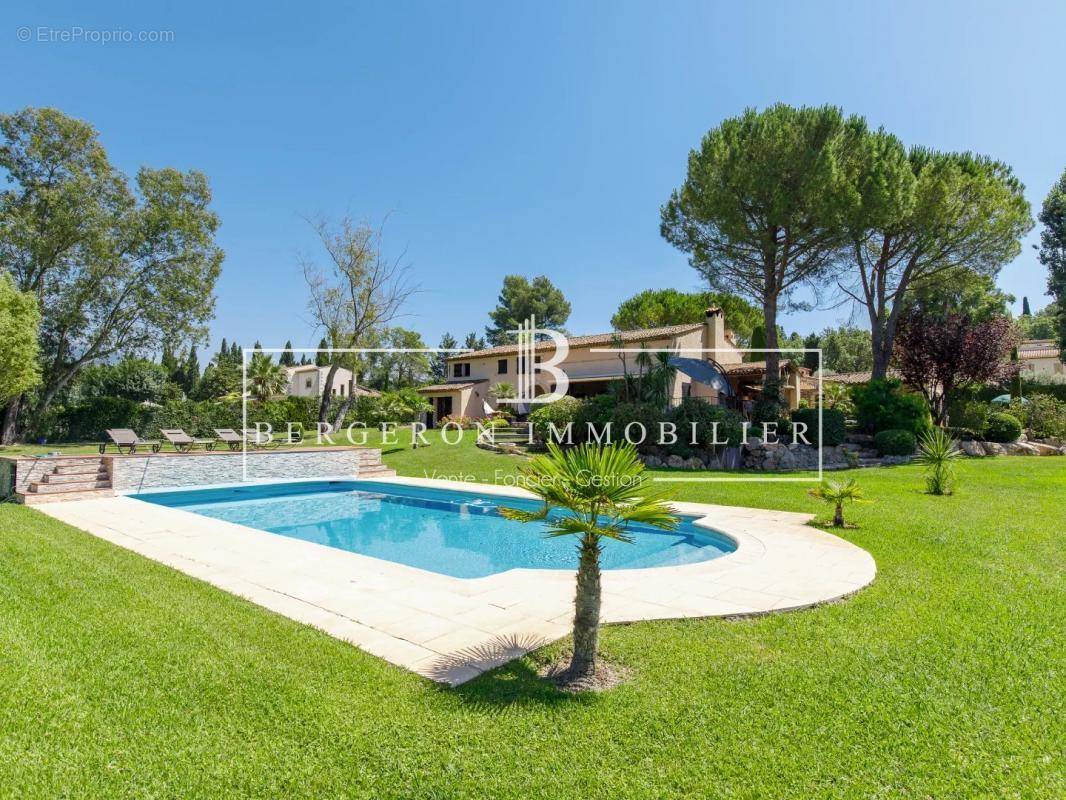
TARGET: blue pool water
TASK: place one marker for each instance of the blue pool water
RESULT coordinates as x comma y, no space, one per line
454,533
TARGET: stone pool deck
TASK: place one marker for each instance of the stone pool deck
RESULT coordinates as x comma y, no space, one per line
451,629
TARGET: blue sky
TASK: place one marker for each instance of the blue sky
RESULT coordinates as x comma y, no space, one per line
517,138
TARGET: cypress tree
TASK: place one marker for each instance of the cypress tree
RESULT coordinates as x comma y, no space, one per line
322,357
190,373
287,359
1025,307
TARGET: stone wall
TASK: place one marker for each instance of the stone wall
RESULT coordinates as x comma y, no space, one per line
154,471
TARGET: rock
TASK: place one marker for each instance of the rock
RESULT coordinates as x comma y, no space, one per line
675,461
992,449
652,462
893,460
972,448
1042,449
695,462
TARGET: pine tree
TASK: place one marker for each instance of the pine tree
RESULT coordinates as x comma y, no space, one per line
169,362
287,359
1025,307
1053,253
322,357
223,350
304,360
439,365
474,342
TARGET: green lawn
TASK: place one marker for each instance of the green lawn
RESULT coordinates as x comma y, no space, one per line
120,677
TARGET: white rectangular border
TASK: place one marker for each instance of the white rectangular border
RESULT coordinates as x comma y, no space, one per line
728,479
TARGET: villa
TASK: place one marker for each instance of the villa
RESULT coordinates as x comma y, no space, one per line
1041,357
709,366
309,380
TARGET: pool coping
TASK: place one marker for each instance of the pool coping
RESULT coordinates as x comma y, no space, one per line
452,629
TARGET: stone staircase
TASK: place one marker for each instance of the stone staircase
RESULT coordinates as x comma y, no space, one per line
370,465
66,479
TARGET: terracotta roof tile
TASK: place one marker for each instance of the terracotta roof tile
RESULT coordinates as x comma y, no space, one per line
640,335
447,387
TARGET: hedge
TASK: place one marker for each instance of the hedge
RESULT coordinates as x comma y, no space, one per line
833,428
895,443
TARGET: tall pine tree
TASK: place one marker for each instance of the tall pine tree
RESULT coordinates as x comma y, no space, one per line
439,365
322,357
190,372
287,359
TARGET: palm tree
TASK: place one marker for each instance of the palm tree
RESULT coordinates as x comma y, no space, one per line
599,490
265,378
837,494
936,452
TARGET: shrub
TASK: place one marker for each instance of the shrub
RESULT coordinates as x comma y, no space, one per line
1043,416
937,452
769,406
626,414
561,413
833,429
466,423
704,415
595,411
1003,428
882,405
895,443
131,378
87,422
970,415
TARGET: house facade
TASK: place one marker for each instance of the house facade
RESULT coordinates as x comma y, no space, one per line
708,366
1040,357
309,380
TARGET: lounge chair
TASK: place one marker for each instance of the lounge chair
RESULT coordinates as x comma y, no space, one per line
229,437
183,443
126,439
277,439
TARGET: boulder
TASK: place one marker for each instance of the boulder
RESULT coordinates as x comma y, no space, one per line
652,462
1041,449
695,462
972,448
992,448
675,461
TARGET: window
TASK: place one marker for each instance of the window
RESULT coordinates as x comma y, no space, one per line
307,383
461,371
501,366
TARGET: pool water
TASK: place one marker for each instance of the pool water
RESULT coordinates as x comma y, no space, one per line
461,534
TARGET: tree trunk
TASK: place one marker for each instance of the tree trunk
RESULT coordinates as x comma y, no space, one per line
327,394
587,609
773,358
9,431
838,516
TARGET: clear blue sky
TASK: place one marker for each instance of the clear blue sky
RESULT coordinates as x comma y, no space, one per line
506,137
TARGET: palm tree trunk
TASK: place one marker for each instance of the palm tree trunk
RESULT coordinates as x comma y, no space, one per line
838,517
587,609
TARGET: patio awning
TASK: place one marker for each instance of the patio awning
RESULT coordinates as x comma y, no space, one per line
703,372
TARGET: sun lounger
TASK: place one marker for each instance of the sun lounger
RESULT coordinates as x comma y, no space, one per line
277,438
125,439
183,443
229,437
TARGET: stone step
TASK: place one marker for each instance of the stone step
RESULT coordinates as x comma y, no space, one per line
82,468
77,477
30,499
77,486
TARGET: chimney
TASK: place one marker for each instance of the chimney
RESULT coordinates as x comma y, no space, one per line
713,332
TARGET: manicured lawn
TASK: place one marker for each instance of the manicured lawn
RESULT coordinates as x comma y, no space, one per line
120,677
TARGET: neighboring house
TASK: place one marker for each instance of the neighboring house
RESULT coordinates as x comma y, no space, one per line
309,380
720,377
1040,357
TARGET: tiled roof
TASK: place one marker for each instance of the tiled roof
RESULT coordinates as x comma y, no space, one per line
640,335
448,387
848,377
1039,352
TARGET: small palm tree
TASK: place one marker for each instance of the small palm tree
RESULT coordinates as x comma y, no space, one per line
503,391
599,489
936,452
265,378
836,494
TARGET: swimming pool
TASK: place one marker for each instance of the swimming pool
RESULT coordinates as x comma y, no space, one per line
460,534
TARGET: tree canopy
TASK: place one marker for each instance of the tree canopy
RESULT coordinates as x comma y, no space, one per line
1053,253
655,308
763,207
926,217
521,299
116,269
19,318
